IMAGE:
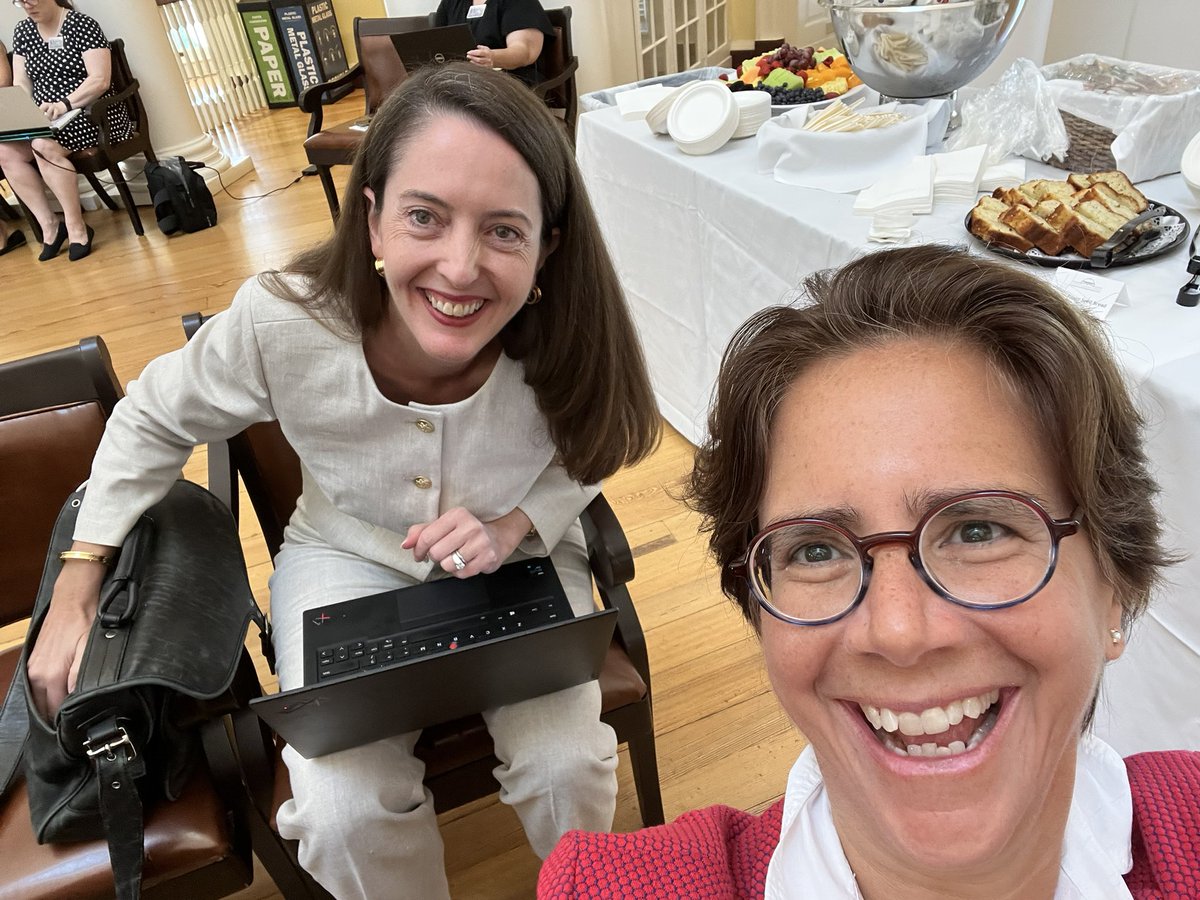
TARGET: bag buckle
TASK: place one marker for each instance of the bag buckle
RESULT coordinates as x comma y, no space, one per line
110,746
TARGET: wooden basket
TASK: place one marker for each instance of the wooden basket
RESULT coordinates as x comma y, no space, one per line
1090,147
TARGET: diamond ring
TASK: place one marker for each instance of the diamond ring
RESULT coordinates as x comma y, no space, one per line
459,562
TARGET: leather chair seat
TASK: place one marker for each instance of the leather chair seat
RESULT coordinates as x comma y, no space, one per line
180,837
333,147
449,746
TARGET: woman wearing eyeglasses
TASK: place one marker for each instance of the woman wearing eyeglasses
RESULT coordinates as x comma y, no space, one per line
62,58
927,493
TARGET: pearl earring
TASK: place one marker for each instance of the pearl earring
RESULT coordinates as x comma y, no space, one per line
1116,635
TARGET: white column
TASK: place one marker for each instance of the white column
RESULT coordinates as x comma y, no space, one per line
174,128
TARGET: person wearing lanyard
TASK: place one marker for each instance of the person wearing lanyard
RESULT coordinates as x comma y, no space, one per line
510,33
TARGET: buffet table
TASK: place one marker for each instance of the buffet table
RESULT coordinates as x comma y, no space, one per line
701,242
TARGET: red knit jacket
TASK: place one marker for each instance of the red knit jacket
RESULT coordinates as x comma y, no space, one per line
721,853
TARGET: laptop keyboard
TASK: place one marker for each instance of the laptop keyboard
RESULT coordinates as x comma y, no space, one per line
376,652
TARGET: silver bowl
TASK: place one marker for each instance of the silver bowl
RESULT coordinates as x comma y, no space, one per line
912,52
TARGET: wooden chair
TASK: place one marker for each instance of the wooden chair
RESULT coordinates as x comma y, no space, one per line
12,215
107,154
457,755
737,57
558,65
53,409
378,71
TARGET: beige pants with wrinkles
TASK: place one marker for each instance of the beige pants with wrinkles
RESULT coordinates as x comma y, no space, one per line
364,819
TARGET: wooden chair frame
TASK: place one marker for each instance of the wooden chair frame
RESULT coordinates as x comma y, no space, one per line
109,155
314,99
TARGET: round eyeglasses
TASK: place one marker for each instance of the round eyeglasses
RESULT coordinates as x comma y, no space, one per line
983,550
24,4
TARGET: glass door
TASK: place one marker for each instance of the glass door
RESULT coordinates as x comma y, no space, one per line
676,35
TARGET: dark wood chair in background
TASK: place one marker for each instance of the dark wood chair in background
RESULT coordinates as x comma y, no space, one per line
558,64
106,156
457,755
53,410
378,72
737,57
12,215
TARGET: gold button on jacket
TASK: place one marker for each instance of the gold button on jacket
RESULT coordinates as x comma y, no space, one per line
422,482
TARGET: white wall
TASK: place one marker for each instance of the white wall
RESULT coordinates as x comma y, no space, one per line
1154,31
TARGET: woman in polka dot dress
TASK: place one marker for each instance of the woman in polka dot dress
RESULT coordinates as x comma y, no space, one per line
61,57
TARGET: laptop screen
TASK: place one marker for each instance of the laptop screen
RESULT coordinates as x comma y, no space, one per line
417,48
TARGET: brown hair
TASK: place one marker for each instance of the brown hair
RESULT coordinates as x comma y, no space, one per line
1055,356
580,352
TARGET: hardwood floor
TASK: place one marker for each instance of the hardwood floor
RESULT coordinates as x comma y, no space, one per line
721,736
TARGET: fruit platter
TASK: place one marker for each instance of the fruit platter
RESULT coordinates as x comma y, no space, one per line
794,76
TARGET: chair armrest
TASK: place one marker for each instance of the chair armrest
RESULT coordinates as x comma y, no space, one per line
98,109
312,99
608,549
612,566
544,87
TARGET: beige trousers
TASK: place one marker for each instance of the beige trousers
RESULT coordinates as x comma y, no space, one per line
364,819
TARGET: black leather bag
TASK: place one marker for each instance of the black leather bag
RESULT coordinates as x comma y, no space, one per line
160,660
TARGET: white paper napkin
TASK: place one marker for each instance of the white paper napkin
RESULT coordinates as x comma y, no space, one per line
906,190
956,174
1006,174
635,103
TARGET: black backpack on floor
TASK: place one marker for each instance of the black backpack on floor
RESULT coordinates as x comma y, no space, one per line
182,201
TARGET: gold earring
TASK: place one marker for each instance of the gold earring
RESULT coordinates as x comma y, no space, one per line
1116,635
379,267
535,296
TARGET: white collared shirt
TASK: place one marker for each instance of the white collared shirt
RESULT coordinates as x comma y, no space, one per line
809,860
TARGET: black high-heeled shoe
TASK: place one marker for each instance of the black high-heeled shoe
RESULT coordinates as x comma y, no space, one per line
76,252
15,240
50,250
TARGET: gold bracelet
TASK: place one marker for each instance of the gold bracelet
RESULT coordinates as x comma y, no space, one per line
85,555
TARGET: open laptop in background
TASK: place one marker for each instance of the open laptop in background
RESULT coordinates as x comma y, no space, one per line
22,120
395,662
418,48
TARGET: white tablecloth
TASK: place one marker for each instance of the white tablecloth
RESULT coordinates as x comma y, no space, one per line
702,242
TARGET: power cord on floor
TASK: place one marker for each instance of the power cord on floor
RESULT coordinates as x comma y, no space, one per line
224,187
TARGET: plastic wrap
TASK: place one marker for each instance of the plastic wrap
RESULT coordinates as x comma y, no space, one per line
1016,116
607,97
1116,76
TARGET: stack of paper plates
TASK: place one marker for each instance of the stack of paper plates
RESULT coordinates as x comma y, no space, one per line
703,117
754,108
656,116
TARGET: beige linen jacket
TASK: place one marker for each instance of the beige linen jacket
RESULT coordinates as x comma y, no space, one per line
371,467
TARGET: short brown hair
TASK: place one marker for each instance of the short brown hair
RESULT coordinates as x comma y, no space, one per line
579,347
1055,356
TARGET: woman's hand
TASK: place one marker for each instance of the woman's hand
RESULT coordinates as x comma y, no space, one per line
53,109
480,546
54,663
483,56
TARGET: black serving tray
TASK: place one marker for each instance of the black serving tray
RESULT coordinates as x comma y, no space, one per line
1160,229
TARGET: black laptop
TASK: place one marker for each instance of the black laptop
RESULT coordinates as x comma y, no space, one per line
419,48
394,662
